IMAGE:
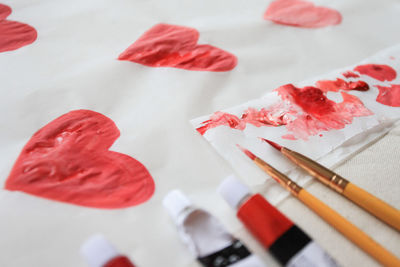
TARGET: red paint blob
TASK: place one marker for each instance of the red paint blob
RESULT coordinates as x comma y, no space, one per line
301,13
350,74
321,114
379,72
13,34
176,46
263,220
339,84
69,160
389,96
311,99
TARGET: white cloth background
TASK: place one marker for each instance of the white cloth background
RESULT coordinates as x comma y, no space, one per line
72,65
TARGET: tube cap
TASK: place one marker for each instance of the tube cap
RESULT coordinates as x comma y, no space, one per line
98,251
175,202
233,191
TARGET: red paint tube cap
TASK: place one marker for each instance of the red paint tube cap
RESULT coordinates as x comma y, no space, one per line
98,252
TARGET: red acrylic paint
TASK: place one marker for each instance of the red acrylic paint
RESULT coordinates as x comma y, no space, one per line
350,74
379,72
301,13
303,111
98,252
69,160
221,118
320,113
389,95
273,116
311,99
340,84
285,241
175,46
264,117
14,34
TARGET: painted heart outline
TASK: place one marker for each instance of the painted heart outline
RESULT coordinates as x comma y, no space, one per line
14,34
69,160
175,46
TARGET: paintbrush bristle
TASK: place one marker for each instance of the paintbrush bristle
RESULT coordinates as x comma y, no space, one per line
247,152
274,145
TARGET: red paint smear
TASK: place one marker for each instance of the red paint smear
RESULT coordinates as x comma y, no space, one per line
311,99
176,46
301,14
264,117
263,220
339,84
389,96
221,118
247,152
289,137
378,72
274,116
13,34
321,114
304,111
350,74
68,160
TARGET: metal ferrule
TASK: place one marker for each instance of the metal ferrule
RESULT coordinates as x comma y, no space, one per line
279,177
322,173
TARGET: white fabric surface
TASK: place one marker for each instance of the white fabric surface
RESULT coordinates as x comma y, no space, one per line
73,65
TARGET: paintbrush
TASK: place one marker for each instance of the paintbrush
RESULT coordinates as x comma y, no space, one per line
342,225
362,198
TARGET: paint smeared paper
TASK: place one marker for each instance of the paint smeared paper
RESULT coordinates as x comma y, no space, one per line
69,160
301,13
304,111
314,117
176,46
14,34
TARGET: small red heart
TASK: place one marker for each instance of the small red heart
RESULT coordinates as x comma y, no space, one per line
68,160
13,34
301,13
176,46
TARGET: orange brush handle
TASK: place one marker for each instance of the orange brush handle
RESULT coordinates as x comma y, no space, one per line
349,230
374,205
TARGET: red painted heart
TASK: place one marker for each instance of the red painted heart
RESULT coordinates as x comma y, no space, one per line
176,46
68,160
13,34
301,13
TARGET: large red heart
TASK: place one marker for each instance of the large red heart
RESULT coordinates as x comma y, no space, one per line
176,46
68,160
13,34
301,14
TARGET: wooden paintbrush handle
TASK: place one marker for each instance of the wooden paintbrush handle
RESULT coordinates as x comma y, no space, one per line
349,230
374,205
